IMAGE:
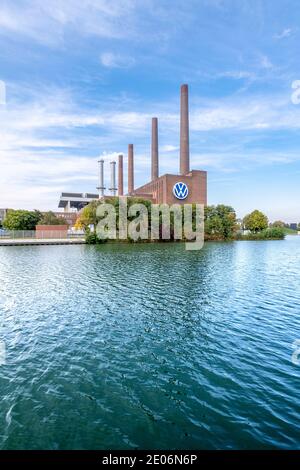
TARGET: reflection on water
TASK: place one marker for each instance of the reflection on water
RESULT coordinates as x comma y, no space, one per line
150,346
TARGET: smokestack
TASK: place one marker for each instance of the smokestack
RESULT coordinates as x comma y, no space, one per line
154,150
184,131
113,188
130,169
101,186
120,176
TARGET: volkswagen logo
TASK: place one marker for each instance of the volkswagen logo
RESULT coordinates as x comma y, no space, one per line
180,190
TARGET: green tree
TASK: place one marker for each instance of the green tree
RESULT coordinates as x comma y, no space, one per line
256,221
88,214
220,222
21,219
278,223
49,218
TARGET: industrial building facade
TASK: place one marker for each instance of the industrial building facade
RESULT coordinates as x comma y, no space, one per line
161,191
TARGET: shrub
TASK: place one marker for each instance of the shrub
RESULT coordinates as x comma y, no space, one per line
49,218
91,238
273,233
21,219
220,222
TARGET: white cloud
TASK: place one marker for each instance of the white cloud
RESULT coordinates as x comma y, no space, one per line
24,123
45,21
111,60
284,34
233,74
236,74
253,114
169,148
54,22
2,93
265,62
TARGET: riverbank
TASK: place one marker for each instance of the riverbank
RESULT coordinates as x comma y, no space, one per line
93,240
268,235
36,241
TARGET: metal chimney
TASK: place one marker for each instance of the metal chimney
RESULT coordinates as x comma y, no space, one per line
101,186
113,188
130,169
120,176
154,149
184,131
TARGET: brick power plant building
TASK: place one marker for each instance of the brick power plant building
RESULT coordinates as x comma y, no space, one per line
189,186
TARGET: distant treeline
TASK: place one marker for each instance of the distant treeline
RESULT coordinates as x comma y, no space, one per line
220,222
28,220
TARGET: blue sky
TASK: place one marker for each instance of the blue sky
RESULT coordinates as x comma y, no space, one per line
83,79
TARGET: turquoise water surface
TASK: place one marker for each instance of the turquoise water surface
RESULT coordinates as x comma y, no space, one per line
150,346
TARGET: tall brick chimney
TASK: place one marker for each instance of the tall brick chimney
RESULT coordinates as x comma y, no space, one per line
130,169
120,175
154,149
184,131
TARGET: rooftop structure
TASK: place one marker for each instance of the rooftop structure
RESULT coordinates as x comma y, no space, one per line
76,201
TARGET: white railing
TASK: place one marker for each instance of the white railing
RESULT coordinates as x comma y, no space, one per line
40,234
13,234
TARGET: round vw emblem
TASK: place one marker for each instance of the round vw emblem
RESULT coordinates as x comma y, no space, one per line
180,190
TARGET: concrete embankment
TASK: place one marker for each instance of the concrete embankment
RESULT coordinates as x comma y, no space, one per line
44,241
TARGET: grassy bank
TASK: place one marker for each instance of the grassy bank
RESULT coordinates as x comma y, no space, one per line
275,233
289,231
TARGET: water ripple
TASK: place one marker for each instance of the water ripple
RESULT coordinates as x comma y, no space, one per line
150,346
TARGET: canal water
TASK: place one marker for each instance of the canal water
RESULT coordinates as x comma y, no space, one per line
150,346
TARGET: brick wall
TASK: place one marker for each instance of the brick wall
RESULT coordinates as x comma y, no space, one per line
51,231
